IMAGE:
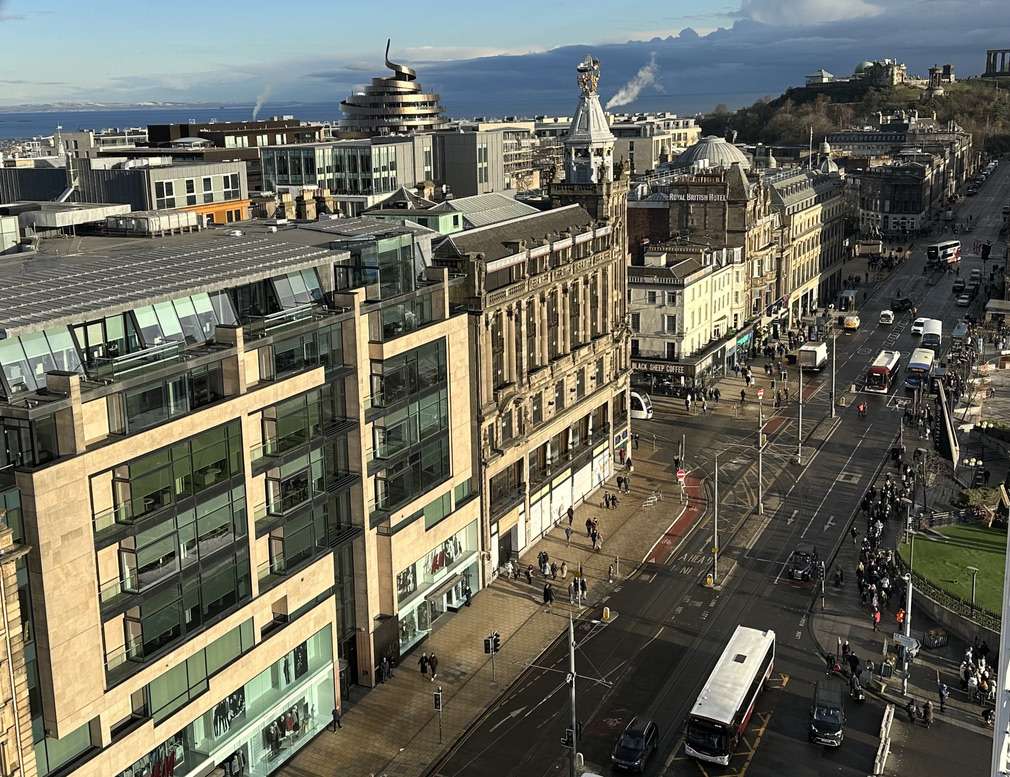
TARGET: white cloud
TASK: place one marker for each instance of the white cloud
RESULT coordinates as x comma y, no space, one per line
803,12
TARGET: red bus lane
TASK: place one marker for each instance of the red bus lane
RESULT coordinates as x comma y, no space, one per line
690,513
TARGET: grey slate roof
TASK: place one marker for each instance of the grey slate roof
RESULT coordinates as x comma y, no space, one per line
483,209
491,240
41,291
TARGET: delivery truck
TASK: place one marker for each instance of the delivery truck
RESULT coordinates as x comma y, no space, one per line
812,356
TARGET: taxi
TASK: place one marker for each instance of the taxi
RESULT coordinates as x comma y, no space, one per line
851,323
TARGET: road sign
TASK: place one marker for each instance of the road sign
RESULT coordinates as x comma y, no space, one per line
761,393
681,475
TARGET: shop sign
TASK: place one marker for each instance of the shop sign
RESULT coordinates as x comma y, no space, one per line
667,367
743,340
695,197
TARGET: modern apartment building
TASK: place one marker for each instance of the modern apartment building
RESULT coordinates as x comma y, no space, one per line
647,140
237,477
359,173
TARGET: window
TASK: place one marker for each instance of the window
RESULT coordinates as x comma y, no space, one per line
671,298
650,297
559,396
231,186
435,512
538,409
208,189
636,321
670,324
671,351
164,194
190,191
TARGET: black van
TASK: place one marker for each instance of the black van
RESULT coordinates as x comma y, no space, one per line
827,714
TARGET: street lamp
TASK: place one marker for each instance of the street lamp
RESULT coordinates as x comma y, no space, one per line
974,574
985,426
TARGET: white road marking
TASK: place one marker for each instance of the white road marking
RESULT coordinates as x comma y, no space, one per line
829,523
828,492
792,517
514,714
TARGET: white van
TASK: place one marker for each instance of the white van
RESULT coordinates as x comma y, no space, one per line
641,406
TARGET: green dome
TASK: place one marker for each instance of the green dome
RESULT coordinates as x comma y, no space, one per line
864,65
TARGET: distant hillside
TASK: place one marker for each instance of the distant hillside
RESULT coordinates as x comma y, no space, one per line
975,105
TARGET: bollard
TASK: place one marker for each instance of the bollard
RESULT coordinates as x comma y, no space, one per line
606,613
709,582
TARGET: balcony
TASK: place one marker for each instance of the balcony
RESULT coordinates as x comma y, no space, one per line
131,512
392,319
272,450
112,368
283,320
269,515
502,503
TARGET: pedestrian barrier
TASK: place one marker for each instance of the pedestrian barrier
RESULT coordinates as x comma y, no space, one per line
884,748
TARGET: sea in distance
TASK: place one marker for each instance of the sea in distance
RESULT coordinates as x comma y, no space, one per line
31,124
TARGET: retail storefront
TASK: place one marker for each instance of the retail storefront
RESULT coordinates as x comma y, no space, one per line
259,726
549,504
435,584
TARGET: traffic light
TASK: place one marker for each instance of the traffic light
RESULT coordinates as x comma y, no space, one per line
438,699
488,645
986,248
495,641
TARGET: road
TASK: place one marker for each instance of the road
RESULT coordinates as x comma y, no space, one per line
654,657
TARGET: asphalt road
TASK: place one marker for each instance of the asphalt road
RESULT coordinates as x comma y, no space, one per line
653,659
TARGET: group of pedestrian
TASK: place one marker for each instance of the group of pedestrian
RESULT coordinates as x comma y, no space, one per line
593,532
977,675
921,713
610,501
428,662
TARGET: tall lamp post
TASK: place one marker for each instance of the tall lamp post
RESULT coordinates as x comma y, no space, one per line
799,435
974,574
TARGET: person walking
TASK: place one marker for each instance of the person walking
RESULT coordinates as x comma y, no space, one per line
548,597
589,525
335,721
423,662
564,570
554,570
943,692
529,574
571,515
571,591
433,663
876,619
583,586
927,713
911,710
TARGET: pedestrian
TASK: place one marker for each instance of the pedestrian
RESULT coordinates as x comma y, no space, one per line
554,570
335,720
433,663
564,570
568,536
467,594
876,618
548,597
589,521
583,586
529,574
854,534
829,663
634,443
743,396
944,693
927,713
423,662
911,710
571,591
387,668
571,515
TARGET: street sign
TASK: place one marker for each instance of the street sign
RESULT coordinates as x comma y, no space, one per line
761,393
681,475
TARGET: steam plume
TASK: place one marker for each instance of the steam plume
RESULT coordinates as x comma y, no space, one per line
628,93
263,97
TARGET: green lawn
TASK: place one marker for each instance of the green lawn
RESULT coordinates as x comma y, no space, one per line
944,563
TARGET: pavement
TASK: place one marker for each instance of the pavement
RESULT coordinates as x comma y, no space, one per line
653,657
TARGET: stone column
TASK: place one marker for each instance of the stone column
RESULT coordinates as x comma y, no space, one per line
542,329
520,340
486,379
510,343
585,310
16,723
70,436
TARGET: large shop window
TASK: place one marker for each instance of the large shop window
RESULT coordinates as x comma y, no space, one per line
258,726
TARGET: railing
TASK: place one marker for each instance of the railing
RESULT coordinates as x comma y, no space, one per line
965,609
125,515
263,326
274,447
112,368
504,503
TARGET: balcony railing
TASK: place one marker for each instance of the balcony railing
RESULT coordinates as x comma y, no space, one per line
126,514
505,502
264,326
111,368
274,447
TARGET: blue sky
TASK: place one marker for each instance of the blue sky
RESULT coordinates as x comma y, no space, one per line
483,57
117,51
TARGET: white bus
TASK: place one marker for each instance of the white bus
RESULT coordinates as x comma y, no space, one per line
942,254
724,707
920,369
880,377
932,334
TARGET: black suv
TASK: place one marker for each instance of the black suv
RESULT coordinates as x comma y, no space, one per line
901,304
803,564
635,745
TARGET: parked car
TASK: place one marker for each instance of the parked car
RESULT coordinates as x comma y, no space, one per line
964,300
886,317
634,747
917,326
803,564
958,286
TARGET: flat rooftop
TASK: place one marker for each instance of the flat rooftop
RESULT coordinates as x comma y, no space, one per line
70,280
364,228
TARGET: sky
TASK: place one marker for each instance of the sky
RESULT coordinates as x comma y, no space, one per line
484,58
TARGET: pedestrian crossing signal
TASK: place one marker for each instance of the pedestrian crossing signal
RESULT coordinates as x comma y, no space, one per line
495,642
438,700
